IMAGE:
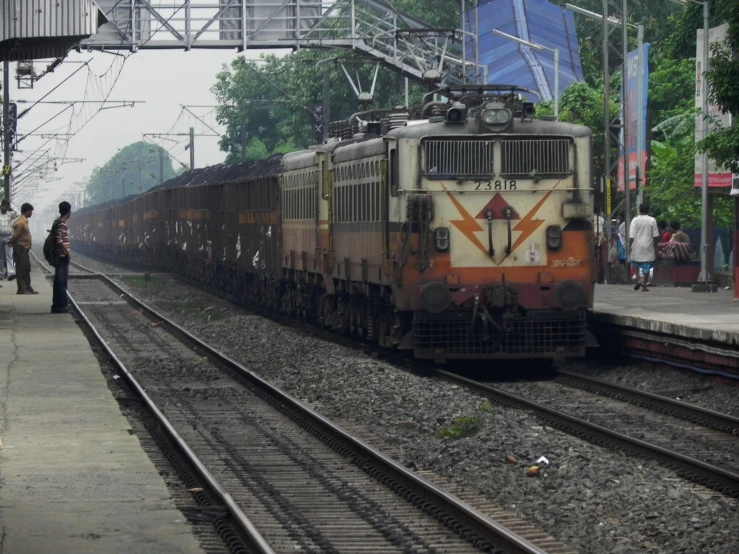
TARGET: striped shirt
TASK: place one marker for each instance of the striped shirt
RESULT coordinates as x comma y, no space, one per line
62,238
6,222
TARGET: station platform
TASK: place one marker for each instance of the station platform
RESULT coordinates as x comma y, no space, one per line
671,311
670,325
72,478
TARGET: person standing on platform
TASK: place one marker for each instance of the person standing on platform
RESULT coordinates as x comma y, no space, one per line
64,254
621,239
677,234
7,216
643,241
600,245
20,240
664,232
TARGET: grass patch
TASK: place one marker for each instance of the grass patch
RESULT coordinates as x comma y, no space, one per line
462,426
485,406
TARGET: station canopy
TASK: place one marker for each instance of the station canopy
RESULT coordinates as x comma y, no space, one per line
511,63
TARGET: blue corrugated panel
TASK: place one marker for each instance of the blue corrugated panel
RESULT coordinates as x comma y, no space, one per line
535,21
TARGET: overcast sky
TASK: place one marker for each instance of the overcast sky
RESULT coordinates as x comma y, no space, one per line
163,79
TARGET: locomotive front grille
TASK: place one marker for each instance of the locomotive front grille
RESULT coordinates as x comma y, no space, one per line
540,335
459,158
533,157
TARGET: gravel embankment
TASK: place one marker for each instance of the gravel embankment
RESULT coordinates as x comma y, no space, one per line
593,499
682,385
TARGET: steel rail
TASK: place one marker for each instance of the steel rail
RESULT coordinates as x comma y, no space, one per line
473,520
688,467
254,539
483,526
706,474
691,412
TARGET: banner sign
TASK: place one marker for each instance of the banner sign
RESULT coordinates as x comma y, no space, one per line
636,69
717,177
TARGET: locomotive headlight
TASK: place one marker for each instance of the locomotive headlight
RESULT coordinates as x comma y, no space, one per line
496,116
554,237
489,117
441,239
503,117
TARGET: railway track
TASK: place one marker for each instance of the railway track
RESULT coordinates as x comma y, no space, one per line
662,404
700,454
289,478
702,451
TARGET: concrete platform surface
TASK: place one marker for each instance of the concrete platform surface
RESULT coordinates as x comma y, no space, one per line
671,310
72,478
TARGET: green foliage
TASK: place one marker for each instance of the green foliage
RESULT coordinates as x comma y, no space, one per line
582,103
657,17
485,406
680,43
723,75
437,13
671,87
134,169
462,426
292,85
266,104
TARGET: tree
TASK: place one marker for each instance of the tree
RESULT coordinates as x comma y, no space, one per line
437,13
266,104
133,170
582,104
723,75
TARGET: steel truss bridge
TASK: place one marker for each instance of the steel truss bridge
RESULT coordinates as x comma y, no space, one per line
368,27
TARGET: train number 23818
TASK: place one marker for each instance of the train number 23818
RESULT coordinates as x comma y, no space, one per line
505,184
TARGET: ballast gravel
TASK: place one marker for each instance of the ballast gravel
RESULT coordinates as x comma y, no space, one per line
593,499
681,385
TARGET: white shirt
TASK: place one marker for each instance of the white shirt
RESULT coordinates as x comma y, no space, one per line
643,231
599,229
6,222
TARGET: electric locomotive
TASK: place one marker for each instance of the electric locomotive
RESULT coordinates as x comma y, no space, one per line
460,230
462,233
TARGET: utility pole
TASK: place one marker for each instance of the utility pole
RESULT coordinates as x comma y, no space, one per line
161,166
640,124
705,274
7,163
123,184
192,148
326,103
243,134
625,123
607,129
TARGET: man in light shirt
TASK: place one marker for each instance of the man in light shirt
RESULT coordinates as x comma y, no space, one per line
20,240
643,241
7,216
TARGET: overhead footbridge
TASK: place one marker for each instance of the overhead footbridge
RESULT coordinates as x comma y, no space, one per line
367,27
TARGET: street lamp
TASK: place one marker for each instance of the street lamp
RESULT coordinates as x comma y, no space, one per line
540,48
705,275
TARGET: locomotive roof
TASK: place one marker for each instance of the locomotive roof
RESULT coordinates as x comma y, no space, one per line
529,127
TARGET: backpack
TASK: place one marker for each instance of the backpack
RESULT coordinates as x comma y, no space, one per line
50,250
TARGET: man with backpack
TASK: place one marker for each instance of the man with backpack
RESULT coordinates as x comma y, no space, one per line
59,251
